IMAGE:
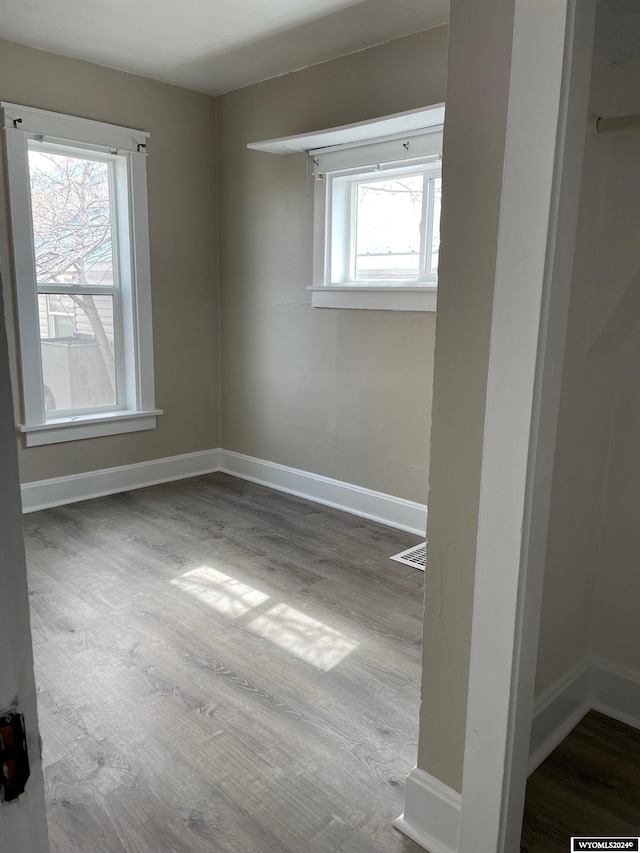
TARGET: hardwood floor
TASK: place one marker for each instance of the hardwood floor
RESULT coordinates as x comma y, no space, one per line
221,667
589,785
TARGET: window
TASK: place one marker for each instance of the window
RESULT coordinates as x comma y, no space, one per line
377,191
80,241
385,229
377,223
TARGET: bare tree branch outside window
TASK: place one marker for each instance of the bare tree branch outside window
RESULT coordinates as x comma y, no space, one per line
70,200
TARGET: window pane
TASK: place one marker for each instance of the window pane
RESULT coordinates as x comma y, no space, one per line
77,347
71,208
436,189
388,228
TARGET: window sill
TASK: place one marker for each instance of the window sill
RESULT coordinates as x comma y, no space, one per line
88,426
375,298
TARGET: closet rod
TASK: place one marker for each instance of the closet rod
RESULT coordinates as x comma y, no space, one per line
610,125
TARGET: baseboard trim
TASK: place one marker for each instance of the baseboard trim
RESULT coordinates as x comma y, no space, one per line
431,813
615,691
386,509
432,810
593,684
57,491
377,506
558,710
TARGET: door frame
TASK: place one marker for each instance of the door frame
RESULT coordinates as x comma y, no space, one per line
546,127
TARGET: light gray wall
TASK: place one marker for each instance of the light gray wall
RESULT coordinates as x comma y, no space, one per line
342,393
583,429
22,822
592,581
183,227
616,627
474,145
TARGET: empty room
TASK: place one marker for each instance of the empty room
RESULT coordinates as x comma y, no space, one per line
219,663
317,416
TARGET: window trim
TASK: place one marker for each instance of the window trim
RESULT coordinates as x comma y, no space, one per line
416,149
421,298
340,238
404,125
118,181
88,426
137,409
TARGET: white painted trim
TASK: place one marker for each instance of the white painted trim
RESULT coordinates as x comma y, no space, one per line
377,506
334,217
132,298
89,426
375,298
73,128
548,90
138,305
510,431
25,271
432,810
94,484
615,691
359,132
558,710
431,813
391,153
594,683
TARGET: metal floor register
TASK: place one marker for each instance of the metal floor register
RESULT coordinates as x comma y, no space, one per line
415,557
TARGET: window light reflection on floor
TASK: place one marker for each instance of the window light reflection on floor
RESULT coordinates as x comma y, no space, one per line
302,636
223,593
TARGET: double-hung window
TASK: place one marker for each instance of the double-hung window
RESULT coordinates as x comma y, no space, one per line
81,256
377,223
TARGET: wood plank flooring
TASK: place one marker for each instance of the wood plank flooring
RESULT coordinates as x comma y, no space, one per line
589,785
222,667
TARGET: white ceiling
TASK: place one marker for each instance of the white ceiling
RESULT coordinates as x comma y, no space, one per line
213,45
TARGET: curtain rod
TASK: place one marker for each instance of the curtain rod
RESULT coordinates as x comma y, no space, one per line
610,125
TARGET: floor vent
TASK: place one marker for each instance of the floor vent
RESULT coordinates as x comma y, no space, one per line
416,556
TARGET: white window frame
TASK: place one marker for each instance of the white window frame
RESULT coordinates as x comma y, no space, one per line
334,206
126,148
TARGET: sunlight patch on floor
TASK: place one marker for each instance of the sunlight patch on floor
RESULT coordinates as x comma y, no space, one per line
302,636
221,592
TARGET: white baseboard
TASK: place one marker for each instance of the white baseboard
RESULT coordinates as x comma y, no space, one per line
615,691
595,683
387,509
431,813
432,810
57,491
558,710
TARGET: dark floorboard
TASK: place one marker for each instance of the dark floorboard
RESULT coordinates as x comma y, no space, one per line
221,667
589,785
